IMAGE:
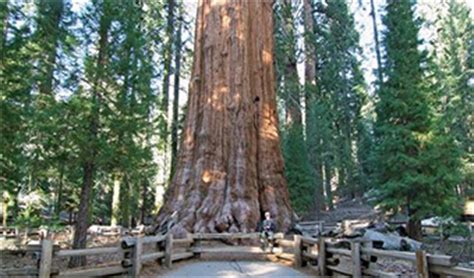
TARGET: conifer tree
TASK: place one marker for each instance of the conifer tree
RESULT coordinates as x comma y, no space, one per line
297,167
409,163
313,138
92,145
15,79
454,66
335,107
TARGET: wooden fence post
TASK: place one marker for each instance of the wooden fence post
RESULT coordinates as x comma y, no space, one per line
136,259
196,246
25,236
169,250
189,236
421,264
321,228
298,250
46,258
322,256
355,256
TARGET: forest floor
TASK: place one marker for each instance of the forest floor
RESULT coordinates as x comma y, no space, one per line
344,210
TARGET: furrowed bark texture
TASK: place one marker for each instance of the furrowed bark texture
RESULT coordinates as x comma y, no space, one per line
230,168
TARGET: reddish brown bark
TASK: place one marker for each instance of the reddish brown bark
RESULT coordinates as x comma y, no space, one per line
230,168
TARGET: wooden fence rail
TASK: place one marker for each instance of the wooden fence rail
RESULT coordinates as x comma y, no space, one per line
321,254
426,264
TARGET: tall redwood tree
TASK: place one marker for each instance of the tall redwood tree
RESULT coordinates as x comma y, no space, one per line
230,167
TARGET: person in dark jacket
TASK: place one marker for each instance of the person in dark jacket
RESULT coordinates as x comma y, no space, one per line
267,231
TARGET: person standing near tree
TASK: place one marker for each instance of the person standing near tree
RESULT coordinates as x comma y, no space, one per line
267,229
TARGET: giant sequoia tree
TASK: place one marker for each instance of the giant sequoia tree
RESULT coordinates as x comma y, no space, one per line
230,167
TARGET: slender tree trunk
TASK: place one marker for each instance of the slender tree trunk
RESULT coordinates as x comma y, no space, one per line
414,229
310,91
327,183
116,200
230,168
376,40
89,165
50,32
143,202
125,203
292,90
82,222
350,167
168,54
177,72
414,224
5,199
164,172
341,177
4,213
60,190
4,15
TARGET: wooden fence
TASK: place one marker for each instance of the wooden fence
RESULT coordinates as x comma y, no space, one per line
324,256
359,255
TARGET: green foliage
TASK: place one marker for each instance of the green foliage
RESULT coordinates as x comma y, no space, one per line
32,205
53,87
416,164
337,131
455,229
297,170
453,67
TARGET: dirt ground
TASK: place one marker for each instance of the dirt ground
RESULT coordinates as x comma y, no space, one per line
462,251
157,270
234,268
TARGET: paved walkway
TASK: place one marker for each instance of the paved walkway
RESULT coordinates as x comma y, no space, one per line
234,269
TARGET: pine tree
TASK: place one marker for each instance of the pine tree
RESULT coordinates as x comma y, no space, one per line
408,151
15,79
335,107
91,146
454,65
313,139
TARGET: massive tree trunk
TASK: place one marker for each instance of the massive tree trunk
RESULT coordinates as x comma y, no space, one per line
230,168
